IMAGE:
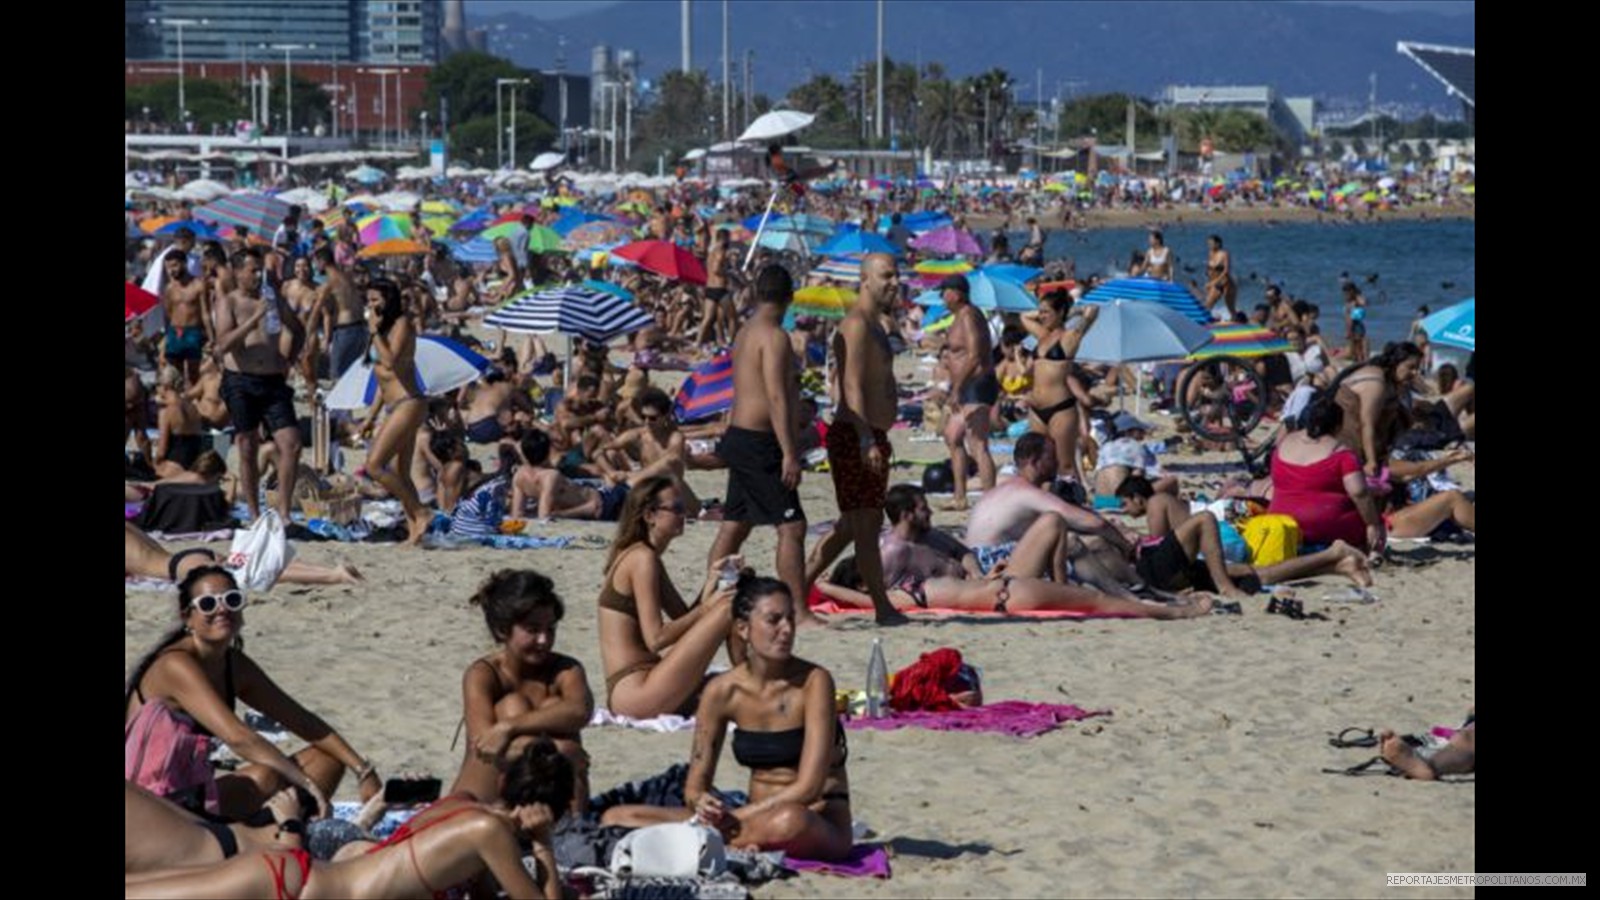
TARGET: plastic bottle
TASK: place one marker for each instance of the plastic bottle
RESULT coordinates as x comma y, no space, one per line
729,574
877,682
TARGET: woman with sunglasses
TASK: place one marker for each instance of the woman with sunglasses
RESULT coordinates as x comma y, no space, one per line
642,616
185,689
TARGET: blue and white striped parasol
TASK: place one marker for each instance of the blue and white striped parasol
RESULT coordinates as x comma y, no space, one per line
580,311
442,366
1173,296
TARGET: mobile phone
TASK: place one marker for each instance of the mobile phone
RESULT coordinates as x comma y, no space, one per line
405,791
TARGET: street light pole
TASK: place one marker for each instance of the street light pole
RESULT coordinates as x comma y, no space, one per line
499,126
383,100
180,24
288,108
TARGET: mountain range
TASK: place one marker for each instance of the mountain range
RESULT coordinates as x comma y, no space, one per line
1082,46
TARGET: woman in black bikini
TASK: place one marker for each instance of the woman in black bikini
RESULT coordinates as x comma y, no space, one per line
197,671
1056,394
642,614
394,362
179,443
786,732
448,844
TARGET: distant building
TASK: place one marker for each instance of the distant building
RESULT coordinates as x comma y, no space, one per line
369,31
1455,67
1260,100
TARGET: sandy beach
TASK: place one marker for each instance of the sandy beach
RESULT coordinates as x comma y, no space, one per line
1203,782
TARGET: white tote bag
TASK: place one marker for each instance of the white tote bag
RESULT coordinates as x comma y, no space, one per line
671,850
260,553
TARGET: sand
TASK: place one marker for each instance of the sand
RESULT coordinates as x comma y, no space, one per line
1204,781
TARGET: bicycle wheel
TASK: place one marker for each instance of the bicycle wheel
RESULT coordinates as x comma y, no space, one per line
1222,399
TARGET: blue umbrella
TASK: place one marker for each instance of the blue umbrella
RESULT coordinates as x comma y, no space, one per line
1137,331
606,287
804,223
1152,290
1012,272
442,366
477,220
783,240
476,250
857,242
574,217
1454,326
201,230
995,294
754,222
596,315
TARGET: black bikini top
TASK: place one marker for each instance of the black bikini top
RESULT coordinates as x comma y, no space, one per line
778,749
1055,353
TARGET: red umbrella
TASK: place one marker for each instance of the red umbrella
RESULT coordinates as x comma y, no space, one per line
664,259
138,303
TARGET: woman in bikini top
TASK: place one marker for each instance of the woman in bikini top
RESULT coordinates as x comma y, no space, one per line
1056,395
787,733
642,614
450,843
1158,259
1370,396
389,458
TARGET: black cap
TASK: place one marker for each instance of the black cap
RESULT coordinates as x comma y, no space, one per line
956,283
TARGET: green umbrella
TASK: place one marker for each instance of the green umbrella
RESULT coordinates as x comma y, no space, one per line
544,239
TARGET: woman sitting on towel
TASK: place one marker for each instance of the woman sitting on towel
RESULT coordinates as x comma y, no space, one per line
655,646
1006,594
786,732
446,844
193,677
525,689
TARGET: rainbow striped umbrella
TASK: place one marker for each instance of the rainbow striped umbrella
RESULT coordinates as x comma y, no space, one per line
823,301
942,267
384,227
1244,341
707,391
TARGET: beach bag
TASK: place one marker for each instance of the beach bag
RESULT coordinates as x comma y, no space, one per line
162,753
672,850
260,553
1273,538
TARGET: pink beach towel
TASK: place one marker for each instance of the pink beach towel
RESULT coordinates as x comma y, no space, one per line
864,861
831,608
1014,717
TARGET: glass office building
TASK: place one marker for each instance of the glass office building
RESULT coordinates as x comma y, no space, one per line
377,31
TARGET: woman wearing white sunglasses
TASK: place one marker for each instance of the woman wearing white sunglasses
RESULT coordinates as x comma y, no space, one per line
180,699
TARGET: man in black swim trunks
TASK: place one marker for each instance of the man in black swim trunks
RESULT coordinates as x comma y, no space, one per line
258,336
974,389
762,446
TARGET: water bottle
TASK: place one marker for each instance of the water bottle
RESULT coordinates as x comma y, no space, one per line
273,324
877,682
728,576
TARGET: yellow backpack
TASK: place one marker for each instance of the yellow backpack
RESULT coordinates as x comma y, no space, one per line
1273,538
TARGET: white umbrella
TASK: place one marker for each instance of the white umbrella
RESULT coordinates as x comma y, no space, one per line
399,201
544,162
696,153
775,125
312,199
442,366
204,190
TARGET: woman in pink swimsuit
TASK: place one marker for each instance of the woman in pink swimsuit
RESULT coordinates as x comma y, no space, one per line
1318,482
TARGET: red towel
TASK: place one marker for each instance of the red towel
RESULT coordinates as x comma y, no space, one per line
926,684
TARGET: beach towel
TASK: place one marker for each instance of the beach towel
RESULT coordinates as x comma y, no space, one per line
831,608
140,583
664,724
1013,717
185,508
864,861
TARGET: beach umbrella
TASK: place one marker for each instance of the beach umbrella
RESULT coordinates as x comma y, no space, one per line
664,259
140,303
590,234
942,267
782,241
993,294
201,230
366,175
572,219
1042,288
707,391
606,287
1012,272
823,301
438,226
840,268
857,242
547,161
1152,290
1136,331
258,212
476,250
596,315
776,124
1454,326
383,227
804,224
544,239
477,220
1056,187
754,222
156,223
948,241
442,366
634,208
393,247
1244,341
440,208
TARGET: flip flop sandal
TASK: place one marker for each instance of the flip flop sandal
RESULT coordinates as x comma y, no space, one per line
1227,609
1370,767
1365,737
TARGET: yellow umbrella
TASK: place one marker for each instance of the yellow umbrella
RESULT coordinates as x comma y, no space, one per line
439,207
826,301
942,267
1055,187
439,225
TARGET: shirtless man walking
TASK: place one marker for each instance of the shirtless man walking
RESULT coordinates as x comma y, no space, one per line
347,338
973,385
717,319
258,338
762,443
858,440
315,311
182,300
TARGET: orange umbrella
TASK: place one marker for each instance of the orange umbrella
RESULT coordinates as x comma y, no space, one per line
395,247
155,223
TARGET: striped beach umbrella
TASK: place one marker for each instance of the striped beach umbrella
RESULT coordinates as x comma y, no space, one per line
395,247
1244,341
840,268
596,315
823,301
258,212
442,366
476,250
1152,290
383,227
707,391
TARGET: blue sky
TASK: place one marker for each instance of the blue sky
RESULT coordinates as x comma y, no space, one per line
560,9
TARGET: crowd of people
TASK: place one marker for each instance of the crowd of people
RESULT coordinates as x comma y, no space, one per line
256,329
